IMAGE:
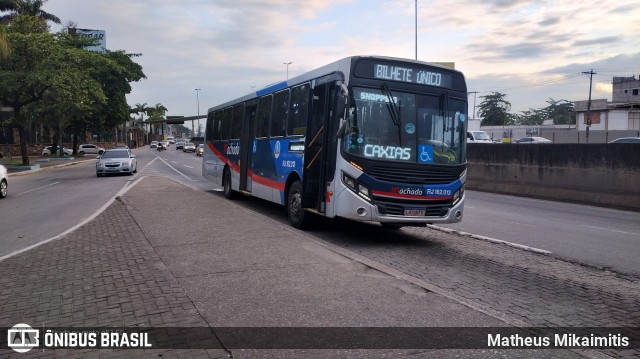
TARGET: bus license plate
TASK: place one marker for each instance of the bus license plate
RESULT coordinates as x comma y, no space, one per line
414,212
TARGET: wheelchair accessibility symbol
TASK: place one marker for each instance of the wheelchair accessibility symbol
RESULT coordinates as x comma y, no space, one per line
425,153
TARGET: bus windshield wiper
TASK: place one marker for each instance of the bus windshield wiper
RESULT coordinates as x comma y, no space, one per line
394,110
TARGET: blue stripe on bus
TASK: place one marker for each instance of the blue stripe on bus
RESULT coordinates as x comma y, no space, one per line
272,88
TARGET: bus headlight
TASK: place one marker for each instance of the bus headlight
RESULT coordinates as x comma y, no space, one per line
364,192
357,188
348,181
457,195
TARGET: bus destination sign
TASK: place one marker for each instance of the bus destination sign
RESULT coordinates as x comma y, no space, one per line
404,73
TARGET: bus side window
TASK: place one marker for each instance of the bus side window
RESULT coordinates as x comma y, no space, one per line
280,112
298,110
263,116
225,128
236,124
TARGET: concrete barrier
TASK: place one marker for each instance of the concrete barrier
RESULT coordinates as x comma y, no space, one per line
598,174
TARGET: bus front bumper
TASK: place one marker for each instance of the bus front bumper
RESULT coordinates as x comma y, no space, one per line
351,206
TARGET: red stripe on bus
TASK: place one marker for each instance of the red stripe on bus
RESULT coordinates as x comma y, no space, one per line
257,179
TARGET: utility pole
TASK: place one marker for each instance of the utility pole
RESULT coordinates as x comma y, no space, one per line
193,122
590,73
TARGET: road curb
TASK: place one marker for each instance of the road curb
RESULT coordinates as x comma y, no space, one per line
27,172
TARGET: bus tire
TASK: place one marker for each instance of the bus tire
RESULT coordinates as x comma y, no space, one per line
226,185
298,217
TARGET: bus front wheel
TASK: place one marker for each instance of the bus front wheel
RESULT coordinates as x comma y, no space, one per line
297,215
226,184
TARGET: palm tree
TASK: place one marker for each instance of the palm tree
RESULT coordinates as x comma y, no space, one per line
160,110
26,7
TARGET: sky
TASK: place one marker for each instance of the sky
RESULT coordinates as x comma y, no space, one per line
532,51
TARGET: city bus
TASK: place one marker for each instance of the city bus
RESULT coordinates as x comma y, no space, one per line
372,139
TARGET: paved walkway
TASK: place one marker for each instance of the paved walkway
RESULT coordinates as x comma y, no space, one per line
163,255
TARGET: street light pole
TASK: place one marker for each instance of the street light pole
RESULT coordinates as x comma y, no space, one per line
192,122
287,63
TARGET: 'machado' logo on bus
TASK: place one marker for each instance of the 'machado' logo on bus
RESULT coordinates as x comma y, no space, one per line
408,191
232,149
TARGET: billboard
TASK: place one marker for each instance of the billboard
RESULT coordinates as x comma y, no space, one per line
100,46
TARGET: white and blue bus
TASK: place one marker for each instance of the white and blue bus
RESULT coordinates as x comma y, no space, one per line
365,138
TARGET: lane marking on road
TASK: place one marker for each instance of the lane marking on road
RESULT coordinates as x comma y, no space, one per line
174,162
523,224
173,168
489,239
612,230
35,189
128,185
188,166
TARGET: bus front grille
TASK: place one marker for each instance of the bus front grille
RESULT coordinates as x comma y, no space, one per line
413,175
395,209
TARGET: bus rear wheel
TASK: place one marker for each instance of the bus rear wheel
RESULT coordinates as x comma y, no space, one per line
298,217
226,184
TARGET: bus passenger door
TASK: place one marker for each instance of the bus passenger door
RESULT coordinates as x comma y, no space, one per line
314,176
246,146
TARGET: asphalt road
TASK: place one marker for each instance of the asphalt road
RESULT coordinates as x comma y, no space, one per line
598,236
47,203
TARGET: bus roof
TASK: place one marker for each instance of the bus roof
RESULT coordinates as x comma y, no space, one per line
342,66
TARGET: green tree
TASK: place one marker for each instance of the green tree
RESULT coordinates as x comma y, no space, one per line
156,113
562,112
115,80
531,117
26,75
5,48
494,110
25,7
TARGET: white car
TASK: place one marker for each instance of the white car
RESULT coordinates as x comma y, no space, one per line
478,137
116,161
47,151
533,140
90,149
189,147
153,144
3,181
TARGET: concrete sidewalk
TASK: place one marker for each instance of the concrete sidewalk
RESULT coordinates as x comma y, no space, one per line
164,255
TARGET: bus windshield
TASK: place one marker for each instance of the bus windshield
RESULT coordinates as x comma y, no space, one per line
400,126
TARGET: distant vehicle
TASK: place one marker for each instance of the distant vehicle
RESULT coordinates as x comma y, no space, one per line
180,144
189,147
533,140
162,145
153,144
116,161
90,149
165,143
171,139
3,181
49,149
200,150
478,137
626,140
